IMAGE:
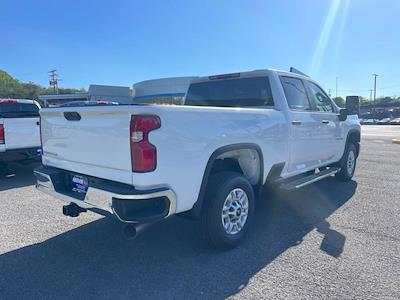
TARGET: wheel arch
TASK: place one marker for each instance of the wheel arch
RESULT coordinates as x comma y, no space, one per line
354,136
216,155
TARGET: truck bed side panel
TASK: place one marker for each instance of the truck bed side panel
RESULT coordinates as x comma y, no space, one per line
189,135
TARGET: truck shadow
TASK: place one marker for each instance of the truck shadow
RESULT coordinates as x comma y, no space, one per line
169,261
16,176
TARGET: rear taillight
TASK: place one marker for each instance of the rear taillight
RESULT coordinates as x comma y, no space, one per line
8,101
143,154
1,134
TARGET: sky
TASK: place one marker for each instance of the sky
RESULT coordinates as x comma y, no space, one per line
126,41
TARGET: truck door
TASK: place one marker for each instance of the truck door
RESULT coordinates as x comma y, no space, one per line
304,134
326,116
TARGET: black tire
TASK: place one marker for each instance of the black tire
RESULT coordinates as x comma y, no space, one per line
219,187
345,174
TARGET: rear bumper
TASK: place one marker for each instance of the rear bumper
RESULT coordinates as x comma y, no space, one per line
108,197
20,154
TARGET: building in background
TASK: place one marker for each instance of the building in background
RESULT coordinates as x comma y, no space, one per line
161,91
120,94
381,110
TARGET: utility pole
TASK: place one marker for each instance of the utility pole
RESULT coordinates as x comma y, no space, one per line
375,75
337,78
54,80
370,99
329,93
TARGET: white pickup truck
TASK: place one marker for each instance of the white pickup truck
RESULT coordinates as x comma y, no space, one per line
210,157
19,131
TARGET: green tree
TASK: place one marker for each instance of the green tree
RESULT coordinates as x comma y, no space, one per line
364,101
339,101
13,88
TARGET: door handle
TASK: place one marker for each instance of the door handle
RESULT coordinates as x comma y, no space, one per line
296,122
325,121
37,123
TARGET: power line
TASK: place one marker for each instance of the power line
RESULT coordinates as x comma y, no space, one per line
389,87
353,90
364,90
367,90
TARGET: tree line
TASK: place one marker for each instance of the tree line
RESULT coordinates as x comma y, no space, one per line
13,88
364,101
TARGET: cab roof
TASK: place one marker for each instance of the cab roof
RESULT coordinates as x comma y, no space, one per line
255,73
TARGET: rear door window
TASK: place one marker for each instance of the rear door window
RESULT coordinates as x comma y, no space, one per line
241,92
18,110
295,93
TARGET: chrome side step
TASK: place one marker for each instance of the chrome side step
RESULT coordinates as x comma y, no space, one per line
303,181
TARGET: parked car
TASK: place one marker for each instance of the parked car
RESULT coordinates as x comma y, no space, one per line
207,159
369,122
384,121
395,121
19,131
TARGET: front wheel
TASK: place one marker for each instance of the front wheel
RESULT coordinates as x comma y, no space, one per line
228,209
348,163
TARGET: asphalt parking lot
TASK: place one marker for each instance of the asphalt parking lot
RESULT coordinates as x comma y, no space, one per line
330,240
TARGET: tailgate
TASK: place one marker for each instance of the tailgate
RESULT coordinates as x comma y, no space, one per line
88,140
21,133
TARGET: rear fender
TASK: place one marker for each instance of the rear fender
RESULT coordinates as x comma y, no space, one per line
196,210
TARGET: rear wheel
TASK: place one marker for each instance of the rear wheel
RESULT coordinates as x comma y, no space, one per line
228,209
348,163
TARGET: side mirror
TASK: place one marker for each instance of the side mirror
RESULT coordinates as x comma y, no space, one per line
342,114
353,105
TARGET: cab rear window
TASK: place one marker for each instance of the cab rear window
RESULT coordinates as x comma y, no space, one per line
18,110
241,92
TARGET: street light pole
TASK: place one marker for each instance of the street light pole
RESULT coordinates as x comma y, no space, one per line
375,75
370,100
